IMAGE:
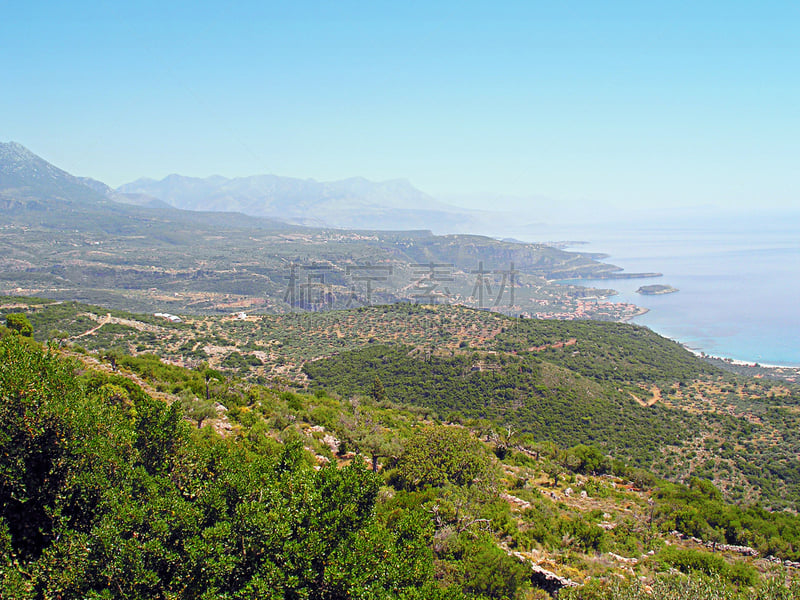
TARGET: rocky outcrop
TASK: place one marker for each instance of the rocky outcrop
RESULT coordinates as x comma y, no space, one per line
786,563
541,577
743,550
518,502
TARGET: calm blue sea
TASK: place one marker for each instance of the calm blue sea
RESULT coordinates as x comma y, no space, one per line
739,282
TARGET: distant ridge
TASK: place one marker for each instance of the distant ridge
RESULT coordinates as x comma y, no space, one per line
135,199
349,203
30,183
70,238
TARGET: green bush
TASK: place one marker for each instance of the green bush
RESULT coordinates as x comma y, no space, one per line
699,561
440,455
688,560
19,323
490,571
105,492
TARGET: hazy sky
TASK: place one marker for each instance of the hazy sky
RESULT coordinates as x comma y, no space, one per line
602,103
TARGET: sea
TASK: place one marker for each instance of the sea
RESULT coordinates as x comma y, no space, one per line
738,279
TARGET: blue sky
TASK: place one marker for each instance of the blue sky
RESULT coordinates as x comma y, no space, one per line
610,104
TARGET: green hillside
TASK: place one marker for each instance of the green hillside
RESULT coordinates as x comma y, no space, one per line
614,352
106,493
636,395
111,490
534,396
640,397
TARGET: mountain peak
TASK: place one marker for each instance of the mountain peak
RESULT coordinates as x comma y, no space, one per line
16,153
17,162
24,177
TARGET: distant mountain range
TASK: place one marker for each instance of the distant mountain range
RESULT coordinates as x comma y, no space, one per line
28,182
354,203
132,198
34,192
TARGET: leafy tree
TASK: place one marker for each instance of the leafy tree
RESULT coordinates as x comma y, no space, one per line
705,488
438,455
503,440
553,469
585,459
19,322
159,433
199,410
208,375
112,356
366,434
58,336
377,392
491,572
458,509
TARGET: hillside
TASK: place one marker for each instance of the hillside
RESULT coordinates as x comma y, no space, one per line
539,397
641,398
112,488
739,434
28,182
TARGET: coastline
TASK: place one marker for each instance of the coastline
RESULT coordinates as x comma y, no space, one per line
736,361
790,373
725,288
640,310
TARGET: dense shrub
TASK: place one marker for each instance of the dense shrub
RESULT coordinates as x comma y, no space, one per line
105,493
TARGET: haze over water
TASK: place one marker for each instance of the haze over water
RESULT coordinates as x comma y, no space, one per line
739,281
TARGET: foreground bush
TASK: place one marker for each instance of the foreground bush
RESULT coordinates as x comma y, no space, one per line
105,493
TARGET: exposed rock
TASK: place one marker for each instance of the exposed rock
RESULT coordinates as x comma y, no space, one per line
623,559
522,504
792,564
743,550
542,578
331,442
